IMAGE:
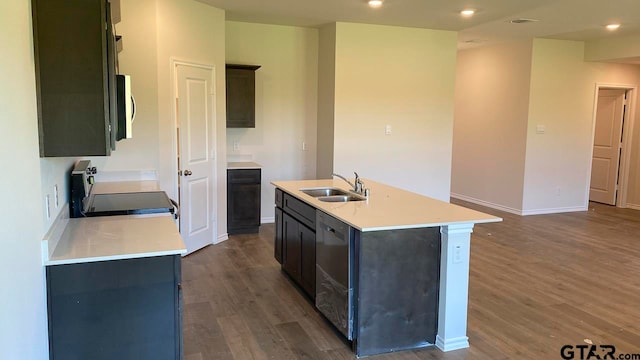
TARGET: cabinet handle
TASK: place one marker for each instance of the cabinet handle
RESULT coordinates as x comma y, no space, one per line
331,230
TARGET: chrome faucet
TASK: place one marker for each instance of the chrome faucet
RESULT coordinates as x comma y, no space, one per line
357,186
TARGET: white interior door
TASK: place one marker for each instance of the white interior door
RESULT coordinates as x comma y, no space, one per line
195,119
606,146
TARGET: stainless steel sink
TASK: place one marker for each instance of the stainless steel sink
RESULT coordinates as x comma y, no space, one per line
324,192
341,198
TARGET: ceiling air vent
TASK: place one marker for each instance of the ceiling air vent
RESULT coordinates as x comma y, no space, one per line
522,20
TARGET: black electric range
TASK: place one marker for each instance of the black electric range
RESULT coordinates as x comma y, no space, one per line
137,203
85,203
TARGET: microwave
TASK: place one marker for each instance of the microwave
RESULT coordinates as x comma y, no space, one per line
126,107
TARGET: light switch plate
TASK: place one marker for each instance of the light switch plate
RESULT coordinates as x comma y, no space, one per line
540,129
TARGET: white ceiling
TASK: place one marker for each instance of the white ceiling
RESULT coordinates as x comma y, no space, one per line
558,19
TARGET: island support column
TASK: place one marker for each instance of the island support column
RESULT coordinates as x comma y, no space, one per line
454,287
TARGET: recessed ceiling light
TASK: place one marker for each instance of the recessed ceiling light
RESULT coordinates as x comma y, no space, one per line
375,3
612,27
467,12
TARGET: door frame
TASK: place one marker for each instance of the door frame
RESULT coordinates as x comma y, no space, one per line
627,137
175,62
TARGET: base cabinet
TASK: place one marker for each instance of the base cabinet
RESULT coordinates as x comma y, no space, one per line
243,201
120,309
295,241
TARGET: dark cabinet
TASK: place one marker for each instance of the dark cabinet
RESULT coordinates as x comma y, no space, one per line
241,95
278,242
296,237
292,246
243,200
75,61
308,260
119,309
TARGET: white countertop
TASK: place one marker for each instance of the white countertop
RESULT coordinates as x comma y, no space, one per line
387,207
115,238
234,165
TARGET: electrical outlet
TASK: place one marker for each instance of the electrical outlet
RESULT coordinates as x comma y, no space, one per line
387,130
558,191
236,145
457,254
47,206
56,198
304,146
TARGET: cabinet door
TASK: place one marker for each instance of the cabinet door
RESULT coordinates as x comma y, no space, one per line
244,206
240,98
72,76
277,246
121,309
243,201
292,246
308,260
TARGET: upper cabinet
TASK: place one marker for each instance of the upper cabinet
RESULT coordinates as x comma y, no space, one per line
75,60
241,95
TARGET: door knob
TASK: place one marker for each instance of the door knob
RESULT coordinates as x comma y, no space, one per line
187,173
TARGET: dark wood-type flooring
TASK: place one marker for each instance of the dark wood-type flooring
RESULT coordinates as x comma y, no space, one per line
536,283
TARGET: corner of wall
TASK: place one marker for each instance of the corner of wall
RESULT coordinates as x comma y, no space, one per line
326,100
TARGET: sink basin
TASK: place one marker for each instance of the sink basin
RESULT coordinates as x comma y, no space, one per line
324,192
341,198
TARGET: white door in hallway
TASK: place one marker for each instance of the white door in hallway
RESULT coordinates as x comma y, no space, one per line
606,146
195,119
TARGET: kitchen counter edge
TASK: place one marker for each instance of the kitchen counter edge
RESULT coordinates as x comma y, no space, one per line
388,207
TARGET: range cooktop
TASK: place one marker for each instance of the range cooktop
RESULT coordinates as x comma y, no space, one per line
129,204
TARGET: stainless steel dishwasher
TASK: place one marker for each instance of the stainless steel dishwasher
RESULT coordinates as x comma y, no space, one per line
334,272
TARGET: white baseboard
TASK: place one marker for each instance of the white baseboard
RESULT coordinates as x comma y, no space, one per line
268,220
633,206
520,211
452,344
554,210
487,204
222,238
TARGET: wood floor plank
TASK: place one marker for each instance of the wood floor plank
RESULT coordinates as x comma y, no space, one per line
239,339
536,283
299,341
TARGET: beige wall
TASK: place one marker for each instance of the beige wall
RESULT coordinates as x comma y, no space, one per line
490,126
23,317
613,49
562,99
194,32
286,102
138,58
326,99
403,77
154,33
620,74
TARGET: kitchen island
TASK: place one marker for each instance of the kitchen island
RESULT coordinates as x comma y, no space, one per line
402,275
